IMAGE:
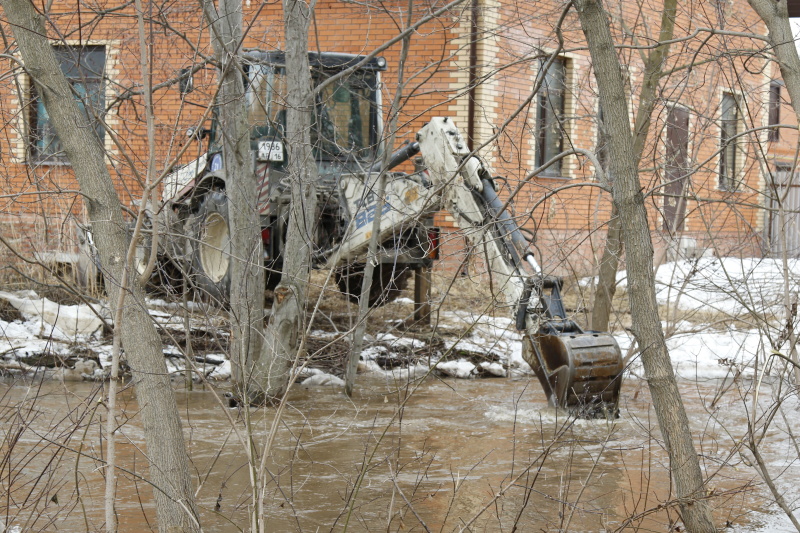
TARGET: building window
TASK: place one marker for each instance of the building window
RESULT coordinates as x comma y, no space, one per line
774,110
83,67
676,169
550,116
729,149
782,192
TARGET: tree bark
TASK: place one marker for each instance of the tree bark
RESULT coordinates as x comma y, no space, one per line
607,277
646,326
286,321
776,16
609,264
247,273
166,452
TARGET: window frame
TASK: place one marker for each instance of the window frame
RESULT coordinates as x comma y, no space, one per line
779,179
774,111
90,83
677,175
729,153
548,115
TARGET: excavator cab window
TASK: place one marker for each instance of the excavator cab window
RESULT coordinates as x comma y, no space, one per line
346,120
266,104
265,90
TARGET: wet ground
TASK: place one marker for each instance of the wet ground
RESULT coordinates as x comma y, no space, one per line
438,455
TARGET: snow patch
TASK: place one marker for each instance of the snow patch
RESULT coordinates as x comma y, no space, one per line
394,340
68,322
706,354
730,285
494,369
323,380
221,371
371,352
461,369
406,374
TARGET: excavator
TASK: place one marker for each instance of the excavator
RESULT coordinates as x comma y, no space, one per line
578,370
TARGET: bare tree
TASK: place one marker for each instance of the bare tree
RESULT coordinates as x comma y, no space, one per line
286,320
648,97
247,274
169,466
369,266
263,357
776,17
628,198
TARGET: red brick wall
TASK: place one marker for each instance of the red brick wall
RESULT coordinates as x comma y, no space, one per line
566,216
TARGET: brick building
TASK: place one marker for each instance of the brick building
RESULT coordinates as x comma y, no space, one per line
706,168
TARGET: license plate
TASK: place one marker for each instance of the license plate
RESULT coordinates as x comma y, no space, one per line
270,151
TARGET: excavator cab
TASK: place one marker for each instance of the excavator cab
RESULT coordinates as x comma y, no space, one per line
346,125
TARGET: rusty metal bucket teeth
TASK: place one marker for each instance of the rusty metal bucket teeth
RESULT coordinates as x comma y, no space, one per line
578,371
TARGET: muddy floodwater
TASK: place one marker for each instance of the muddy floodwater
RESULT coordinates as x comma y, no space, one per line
438,455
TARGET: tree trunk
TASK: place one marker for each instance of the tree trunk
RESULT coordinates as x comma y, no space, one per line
166,452
285,325
363,304
607,277
646,326
776,16
609,264
247,273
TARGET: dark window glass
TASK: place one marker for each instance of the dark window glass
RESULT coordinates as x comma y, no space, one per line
774,110
266,100
676,169
83,67
729,126
345,121
550,116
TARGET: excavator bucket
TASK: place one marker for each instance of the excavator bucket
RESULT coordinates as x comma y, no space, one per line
581,372
578,370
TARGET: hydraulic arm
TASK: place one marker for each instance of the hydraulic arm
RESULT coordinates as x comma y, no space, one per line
580,370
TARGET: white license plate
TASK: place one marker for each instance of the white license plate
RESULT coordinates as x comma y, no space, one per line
270,151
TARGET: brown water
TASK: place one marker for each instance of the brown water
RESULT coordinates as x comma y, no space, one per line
435,459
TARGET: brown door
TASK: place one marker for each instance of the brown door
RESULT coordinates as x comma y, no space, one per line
676,169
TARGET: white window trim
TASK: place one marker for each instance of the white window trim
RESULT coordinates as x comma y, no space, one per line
21,104
741,152
569,164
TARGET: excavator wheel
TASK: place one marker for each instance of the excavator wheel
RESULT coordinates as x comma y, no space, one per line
579,371
211,259
166,276
388,281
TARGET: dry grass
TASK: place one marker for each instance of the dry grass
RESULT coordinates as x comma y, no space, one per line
449,292
9,313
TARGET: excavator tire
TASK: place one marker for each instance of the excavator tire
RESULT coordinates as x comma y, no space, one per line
581,372
211,255
166,277
388,281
